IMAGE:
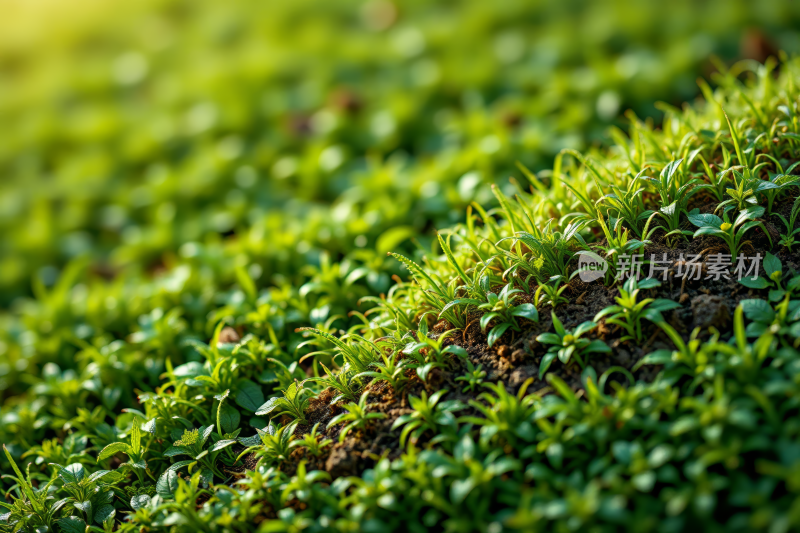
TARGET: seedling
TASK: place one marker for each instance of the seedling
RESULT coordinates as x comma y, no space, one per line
628,205
294,403
391,370
272,444
504,415
430,353
788,238
731,232
356,416
428,415
135,452
550,293
33,509
764,319
568,344
343,381
628,313
87,493
473,378
192,443
311,442
775,281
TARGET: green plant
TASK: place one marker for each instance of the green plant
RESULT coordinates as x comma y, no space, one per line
731,232
470,472
135,452
272,444
499,309
567,344
311,442
192,443
628,204
304,486
430,353
473,378
356,416
504,415
743,194
775,280
695,354
428,415
717,181
167,240
32,509
628,313
552,291
359,354
764,319
787,239
344,382
294,403
781,181
87,493
391,370
674,196
551,250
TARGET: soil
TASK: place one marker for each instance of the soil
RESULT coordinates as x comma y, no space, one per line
516,356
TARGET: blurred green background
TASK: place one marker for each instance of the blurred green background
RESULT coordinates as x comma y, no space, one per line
133,128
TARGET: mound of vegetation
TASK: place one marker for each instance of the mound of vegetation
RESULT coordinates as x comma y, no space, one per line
493,390
202,357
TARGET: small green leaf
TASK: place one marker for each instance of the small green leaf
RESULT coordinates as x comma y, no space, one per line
113,449
705,220
547,360
248,395
86,507
758,310
456,350
776,295
72,524
167,484
771,265
137,502
104,512
269,406
219,445
758,283
526,311
73,473
497,332
229,418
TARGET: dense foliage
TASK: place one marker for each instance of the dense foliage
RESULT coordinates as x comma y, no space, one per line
208,242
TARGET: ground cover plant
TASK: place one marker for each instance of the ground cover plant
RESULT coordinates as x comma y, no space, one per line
470,379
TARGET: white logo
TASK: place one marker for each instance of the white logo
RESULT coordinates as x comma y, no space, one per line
591,266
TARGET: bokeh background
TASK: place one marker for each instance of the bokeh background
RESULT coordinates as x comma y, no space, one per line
148,148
